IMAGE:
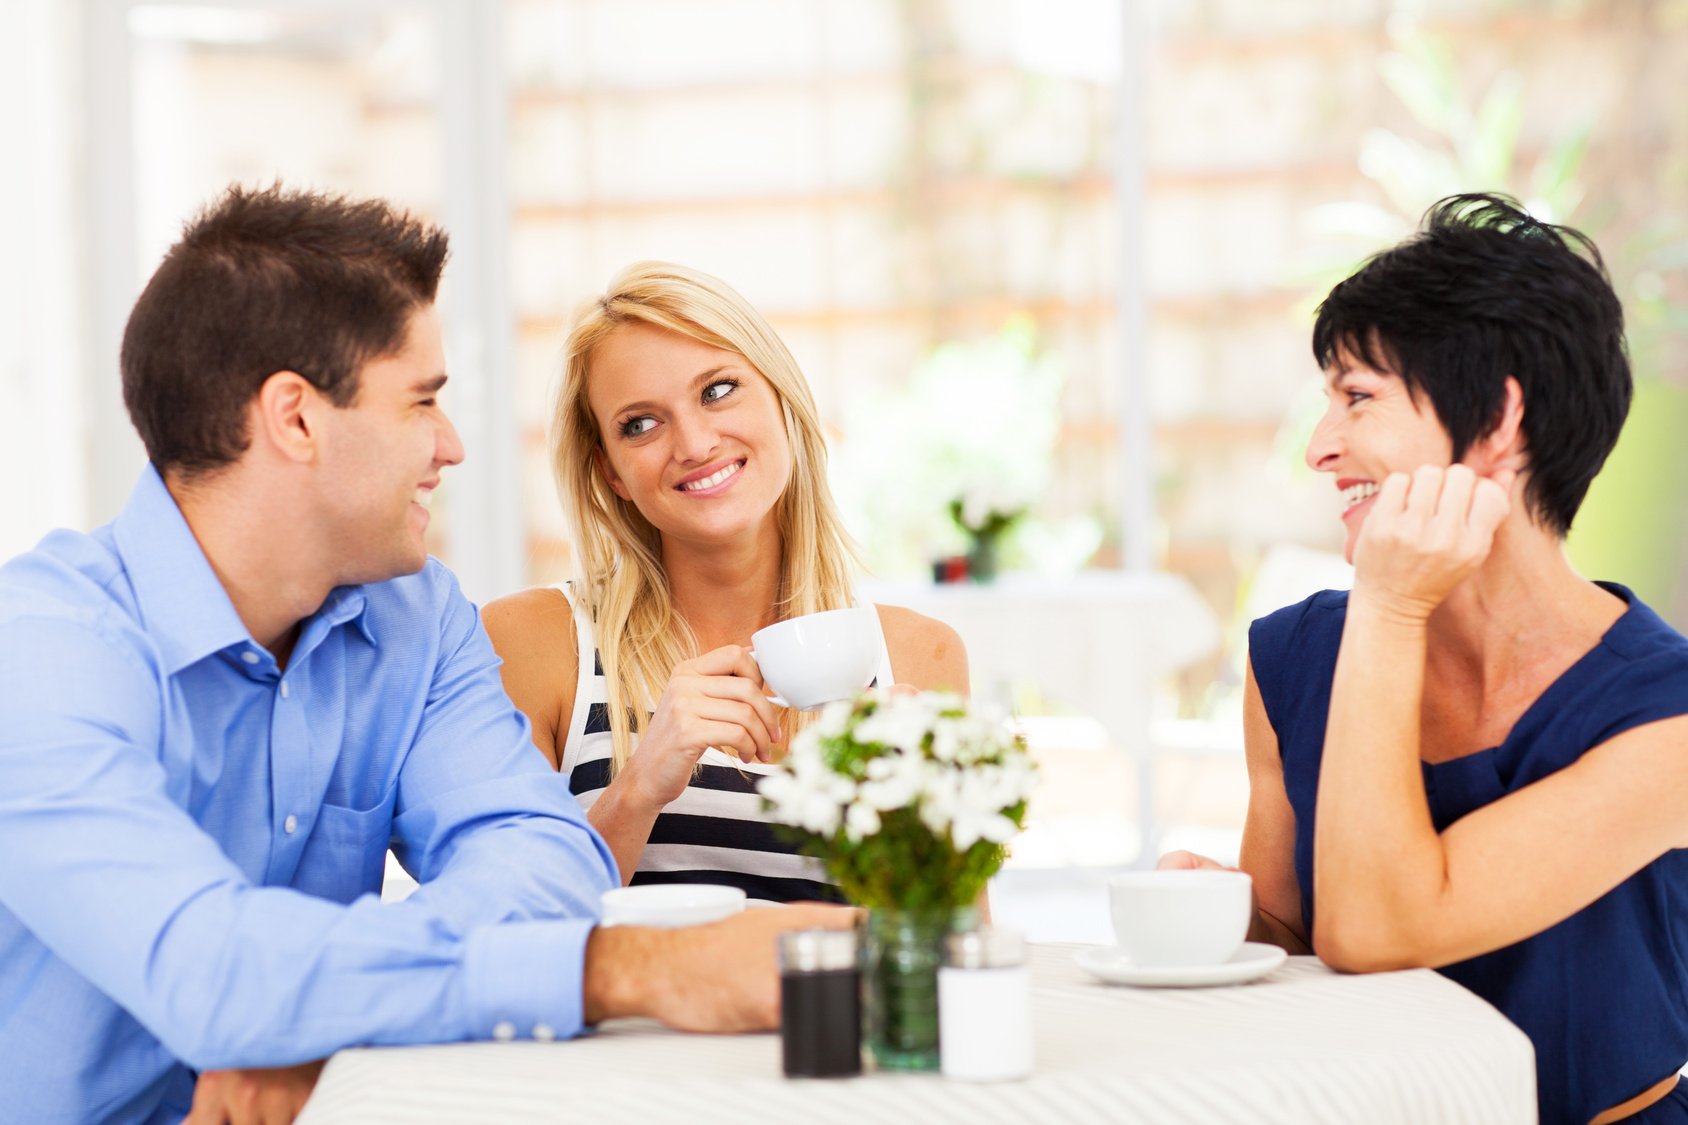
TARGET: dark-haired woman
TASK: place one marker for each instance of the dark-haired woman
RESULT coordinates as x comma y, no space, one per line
1477,760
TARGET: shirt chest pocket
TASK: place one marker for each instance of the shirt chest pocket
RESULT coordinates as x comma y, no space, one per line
346,854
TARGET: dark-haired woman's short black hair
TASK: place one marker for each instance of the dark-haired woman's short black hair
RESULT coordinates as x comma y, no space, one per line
264,281
1484,291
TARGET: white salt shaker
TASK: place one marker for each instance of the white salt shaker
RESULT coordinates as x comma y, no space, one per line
985,1006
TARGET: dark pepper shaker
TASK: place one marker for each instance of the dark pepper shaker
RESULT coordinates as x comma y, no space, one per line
820,1004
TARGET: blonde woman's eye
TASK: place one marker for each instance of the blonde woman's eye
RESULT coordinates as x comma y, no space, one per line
715,392
634,427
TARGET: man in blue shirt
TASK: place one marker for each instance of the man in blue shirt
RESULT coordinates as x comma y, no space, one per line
219,710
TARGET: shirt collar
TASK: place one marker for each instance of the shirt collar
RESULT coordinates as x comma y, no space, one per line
346,604
183,604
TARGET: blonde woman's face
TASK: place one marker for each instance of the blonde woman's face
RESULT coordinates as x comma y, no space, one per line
693,435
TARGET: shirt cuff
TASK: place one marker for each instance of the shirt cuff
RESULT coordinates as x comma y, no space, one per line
524,979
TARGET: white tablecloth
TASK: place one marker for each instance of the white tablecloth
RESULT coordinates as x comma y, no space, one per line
1304,1045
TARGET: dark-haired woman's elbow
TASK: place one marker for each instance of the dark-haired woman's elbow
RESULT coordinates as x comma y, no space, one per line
1352,944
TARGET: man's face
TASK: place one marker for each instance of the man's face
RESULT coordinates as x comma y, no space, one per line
381,458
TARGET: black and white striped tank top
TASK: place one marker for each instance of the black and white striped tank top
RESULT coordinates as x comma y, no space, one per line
714,832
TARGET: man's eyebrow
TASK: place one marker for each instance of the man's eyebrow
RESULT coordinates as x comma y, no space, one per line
428,386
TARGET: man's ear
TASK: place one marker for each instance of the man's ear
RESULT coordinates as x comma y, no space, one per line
283,416
1502,448
610,477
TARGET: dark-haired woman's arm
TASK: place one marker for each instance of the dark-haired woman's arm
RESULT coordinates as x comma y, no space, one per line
1391,891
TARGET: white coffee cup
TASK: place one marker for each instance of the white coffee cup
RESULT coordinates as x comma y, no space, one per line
669,906
818,658
1185,917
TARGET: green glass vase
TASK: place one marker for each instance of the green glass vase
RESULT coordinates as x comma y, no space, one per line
902,952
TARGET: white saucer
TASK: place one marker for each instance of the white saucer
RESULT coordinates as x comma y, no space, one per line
1253,961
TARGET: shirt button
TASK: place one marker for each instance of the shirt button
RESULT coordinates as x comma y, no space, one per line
249,656
284,689
544,1032
504,1031
290,825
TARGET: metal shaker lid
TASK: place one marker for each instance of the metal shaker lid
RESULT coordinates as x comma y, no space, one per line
817,951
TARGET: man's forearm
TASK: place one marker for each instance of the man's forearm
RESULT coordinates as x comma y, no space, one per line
619,963
723,976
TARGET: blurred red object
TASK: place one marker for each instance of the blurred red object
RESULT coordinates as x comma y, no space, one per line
951,569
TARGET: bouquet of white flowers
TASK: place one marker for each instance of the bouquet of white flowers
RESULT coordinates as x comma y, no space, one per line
909,799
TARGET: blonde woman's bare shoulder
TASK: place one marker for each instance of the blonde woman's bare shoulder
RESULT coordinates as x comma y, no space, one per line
925,652
533,633
540,616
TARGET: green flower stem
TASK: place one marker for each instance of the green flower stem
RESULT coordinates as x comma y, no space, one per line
904,949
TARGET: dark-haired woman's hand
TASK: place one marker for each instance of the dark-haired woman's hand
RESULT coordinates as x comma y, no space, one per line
1427,533
715,700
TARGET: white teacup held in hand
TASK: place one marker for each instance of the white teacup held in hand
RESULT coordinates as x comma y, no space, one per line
818,658
1164,918
668,906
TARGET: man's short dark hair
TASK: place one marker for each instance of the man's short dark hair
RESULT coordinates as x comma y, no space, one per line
268,280
1484,291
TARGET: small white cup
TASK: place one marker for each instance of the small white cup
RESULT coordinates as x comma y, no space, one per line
1188,917
818,658
668,906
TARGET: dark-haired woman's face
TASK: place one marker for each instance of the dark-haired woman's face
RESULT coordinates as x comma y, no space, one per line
1373,426
693,435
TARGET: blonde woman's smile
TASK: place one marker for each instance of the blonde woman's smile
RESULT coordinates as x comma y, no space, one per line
712,480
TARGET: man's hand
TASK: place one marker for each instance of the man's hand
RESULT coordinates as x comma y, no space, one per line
272,1096
719,977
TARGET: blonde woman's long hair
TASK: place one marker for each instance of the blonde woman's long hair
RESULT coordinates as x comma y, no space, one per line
619,576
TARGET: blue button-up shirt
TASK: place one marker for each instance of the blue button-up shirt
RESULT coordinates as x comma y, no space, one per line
192,840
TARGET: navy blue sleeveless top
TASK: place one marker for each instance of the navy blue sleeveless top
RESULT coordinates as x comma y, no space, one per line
1603,995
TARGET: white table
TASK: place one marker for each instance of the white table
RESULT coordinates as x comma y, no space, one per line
1096,641
1302,1046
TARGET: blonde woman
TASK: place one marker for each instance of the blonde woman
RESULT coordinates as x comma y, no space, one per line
690,461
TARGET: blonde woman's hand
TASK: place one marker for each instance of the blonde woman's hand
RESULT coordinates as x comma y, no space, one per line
715,700
1427,533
